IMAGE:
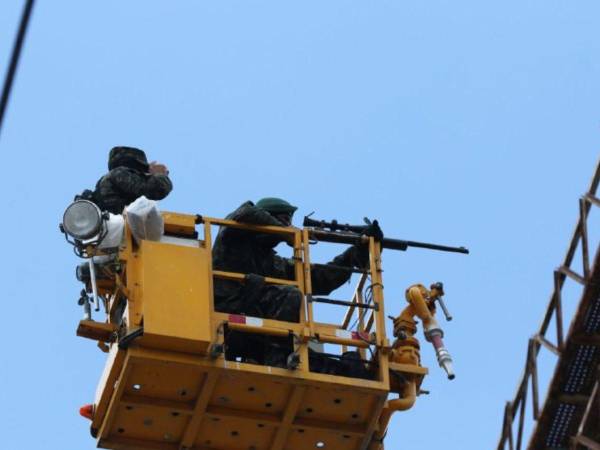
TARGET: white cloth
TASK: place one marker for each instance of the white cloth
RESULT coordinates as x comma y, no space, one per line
115,227
144,219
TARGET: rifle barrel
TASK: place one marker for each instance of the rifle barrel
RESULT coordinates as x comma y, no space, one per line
442,248
392,244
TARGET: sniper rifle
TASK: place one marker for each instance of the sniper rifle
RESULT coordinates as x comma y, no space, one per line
343,233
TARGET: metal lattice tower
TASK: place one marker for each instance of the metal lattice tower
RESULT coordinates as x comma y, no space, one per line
570,415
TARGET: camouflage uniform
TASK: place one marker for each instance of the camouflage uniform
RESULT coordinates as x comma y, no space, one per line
252,253
128,179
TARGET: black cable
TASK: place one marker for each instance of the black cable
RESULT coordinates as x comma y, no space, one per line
14,60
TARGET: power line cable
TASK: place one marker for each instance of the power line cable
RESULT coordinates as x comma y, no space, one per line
14,60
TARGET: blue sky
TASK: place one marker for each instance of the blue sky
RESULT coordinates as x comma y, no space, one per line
465,123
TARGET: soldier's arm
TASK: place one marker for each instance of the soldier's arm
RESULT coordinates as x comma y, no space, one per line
134,185
328,277
128,182
157,186
248,213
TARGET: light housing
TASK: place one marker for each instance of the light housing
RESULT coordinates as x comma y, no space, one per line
82,220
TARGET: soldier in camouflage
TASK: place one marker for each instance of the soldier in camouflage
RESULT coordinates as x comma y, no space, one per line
130,176
252,253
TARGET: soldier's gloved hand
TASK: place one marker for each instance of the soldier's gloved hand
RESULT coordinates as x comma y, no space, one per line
374,230
361,259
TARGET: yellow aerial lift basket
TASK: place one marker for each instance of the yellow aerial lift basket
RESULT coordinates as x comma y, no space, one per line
168,384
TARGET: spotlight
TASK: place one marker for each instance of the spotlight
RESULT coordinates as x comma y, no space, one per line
82,220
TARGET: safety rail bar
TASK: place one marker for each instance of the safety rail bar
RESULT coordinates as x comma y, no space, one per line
529,380
271,327
234,276
248,226
331,301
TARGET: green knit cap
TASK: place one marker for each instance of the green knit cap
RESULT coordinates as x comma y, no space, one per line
275,205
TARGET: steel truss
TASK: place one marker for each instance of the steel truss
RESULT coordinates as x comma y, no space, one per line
570,416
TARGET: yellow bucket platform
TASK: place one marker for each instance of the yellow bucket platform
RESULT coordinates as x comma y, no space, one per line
167,386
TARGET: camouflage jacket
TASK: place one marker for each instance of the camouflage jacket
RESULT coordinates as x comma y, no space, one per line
122,185
252,253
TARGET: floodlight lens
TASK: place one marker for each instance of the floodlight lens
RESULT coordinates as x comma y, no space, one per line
82,220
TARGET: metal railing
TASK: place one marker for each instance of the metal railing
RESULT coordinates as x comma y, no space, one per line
370,330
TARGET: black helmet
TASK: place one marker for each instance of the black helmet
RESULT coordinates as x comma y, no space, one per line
131,157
